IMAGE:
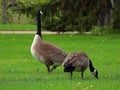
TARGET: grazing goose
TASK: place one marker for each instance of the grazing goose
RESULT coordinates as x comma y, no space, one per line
78,62
46,52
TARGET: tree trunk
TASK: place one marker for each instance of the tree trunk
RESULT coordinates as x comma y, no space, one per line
13,2
4,9
112,3
105,15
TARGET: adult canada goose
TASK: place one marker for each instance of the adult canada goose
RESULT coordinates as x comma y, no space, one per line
45,52
78,61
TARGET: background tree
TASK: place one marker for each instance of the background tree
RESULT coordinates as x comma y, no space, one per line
116,17
70,15
4,9
78,15
6,16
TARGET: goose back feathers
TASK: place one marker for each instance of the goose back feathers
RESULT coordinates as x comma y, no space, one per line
47,53
78,61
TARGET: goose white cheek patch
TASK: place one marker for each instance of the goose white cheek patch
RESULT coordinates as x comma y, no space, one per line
94,72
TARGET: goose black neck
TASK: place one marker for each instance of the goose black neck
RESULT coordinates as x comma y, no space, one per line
91,66
39,23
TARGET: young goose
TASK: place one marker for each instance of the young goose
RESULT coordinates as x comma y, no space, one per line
46,52
78,62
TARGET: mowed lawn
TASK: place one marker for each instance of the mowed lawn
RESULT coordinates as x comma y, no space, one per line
20,71
14,27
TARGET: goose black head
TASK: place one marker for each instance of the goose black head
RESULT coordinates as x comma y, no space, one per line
93,70
95,73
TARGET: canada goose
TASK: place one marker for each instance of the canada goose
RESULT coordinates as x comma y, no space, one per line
45,52
78,61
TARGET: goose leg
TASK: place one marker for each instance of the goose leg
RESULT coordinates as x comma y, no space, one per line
48,68
48,65
82,75
54,67
71,75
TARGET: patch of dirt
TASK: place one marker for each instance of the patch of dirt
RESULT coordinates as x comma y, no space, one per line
33,32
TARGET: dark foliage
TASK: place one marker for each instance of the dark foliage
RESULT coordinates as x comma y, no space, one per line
116,17
74,15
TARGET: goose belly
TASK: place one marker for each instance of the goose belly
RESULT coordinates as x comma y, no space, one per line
36,54
34,49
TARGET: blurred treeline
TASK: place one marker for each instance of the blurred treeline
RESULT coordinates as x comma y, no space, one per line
64,15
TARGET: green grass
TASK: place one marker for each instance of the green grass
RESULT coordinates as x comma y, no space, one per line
20,71
8,27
